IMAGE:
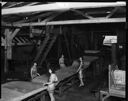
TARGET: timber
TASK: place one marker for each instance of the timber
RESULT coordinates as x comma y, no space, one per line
112,12
14,33
59,6
36,17
67,22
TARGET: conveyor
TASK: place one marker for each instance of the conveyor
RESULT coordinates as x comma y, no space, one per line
20,90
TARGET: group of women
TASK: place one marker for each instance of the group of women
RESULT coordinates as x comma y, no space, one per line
53,79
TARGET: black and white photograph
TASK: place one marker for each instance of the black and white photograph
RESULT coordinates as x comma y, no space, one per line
63,51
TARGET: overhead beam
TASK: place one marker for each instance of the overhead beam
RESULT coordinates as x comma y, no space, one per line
112,12
14,33
88,16
36,17
30,4
3,3
60,6
14,4
83,21
81,13
54,16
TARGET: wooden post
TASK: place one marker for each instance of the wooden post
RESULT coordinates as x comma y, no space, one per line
114,60
67,22
8,46
5,47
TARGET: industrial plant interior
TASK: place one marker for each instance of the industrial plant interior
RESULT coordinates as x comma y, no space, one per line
81,44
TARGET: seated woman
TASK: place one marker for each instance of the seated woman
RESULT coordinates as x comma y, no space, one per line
34,71
61,62
51,84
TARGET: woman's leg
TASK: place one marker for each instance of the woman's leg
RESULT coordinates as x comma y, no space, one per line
51,94
82,83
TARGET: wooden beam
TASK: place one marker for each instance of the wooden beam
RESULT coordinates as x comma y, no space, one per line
60,6
17,39
53,16
5,60
14,4
36,17
14,33
30,4
112,12
8,42
88,16
81,13
3,3
84,21
37,31
22,39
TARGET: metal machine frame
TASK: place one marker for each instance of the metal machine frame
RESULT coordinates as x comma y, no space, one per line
115,89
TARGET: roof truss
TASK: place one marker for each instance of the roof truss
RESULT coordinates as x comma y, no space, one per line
83,21
59,6
44,13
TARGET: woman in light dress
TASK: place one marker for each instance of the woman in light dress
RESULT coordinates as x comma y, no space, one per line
80,71
61,62
34,72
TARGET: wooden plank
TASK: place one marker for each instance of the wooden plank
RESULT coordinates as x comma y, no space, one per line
59,6
83,21
81,13
14,33
33,3
22,39
53,16
36,17
112,12
18,40
6,46
88,16
11,4
19,90
3,3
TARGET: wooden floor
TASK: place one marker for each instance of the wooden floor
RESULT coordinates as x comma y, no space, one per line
76,93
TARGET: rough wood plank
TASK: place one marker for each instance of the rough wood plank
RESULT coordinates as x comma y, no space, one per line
112,12
59,6
67,22
14,33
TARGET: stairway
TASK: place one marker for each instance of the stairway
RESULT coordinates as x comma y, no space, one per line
45,48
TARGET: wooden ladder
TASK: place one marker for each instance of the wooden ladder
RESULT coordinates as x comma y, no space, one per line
45,48
41,48
49,45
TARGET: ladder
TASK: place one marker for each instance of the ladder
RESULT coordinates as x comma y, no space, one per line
45,48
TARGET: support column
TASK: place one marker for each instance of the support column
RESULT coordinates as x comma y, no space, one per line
114,60
6,51
8,46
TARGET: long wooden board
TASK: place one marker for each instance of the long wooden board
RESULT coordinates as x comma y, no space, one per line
19,90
